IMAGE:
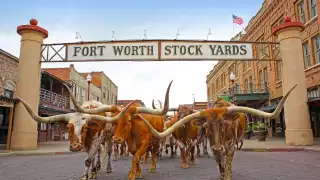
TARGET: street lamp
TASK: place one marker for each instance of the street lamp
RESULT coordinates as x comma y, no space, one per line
89,78
78,36
232,77
194,101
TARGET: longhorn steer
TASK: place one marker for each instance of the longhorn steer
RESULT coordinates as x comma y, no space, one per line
84,131
240,118
136,133
186,136
220,130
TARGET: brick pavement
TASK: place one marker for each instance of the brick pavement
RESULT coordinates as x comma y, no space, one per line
247,165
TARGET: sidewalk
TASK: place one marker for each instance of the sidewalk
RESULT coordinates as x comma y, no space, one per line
270,145
276,145
44,148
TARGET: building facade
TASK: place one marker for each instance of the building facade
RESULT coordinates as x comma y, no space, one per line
78,82
109,90
8,81
259,83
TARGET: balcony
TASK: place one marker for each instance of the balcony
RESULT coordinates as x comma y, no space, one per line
49,99
251,94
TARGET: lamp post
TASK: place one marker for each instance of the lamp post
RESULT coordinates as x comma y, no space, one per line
78,36
89,78
232,77
194,101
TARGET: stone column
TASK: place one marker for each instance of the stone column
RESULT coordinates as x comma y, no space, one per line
297,118
25,134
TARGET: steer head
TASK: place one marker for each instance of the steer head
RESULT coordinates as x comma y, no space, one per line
80,125
81,131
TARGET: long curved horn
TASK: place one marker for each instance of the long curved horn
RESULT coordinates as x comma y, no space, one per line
160,104
170,109
73,99
218,112
36,117
153,106
259,113
112,119
106,108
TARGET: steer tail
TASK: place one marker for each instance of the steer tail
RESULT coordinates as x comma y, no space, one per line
104,154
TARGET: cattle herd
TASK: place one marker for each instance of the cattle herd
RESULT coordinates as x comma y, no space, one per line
100,129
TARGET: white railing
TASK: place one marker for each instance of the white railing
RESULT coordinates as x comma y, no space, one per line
54,99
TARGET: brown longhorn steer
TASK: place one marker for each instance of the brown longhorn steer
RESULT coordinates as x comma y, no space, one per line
186,135
136,133
220,130
240,118
85,131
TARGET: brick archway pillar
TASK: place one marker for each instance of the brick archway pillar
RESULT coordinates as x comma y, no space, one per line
297,117
25,134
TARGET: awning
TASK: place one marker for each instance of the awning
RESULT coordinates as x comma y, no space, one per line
268,108
225,97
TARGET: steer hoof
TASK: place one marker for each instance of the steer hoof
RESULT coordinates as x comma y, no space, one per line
115,158
152,170
93,175
109,170
185,165
85,177
192,162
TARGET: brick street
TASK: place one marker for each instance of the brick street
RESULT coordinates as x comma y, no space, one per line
247,165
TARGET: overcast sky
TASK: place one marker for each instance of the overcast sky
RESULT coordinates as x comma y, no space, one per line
95,21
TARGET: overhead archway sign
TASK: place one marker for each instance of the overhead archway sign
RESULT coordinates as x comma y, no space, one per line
155,50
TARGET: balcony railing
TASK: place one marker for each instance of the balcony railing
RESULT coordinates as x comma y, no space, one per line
247,89
53,99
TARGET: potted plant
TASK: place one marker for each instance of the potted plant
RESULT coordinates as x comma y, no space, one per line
260,131
248,132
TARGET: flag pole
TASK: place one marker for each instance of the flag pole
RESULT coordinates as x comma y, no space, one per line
232,26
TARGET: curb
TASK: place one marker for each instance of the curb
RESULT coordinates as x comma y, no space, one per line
272,149
36,153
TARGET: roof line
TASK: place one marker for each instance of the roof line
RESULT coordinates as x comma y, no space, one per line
8,54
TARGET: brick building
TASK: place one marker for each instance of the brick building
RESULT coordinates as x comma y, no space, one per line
259,84
109,90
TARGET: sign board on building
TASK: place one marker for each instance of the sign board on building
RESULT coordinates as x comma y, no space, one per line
163,50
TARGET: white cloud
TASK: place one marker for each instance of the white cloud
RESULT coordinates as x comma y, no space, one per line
138,80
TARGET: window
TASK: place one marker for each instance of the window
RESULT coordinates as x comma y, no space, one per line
279,71
261,48
265,74
98,99
301,11
246,84
306,54
236,69
250,79
316,47
244,66
261,79
8,93
313,10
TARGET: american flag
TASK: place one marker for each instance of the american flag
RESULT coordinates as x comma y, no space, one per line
237,19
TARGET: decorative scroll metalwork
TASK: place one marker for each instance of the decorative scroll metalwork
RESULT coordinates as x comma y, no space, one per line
262,51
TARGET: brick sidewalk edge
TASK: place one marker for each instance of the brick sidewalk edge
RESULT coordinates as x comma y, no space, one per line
290,149
21,153
293,149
